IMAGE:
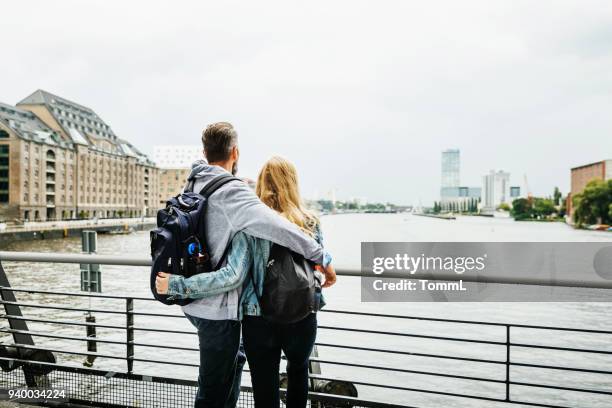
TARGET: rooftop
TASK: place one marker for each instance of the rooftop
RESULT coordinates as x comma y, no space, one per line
82,125
590,164
27,126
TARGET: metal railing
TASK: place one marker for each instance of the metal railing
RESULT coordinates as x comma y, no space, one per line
493,368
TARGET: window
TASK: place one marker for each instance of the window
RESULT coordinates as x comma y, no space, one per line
4,173
3,134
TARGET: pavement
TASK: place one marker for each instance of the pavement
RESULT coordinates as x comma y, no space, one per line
8,404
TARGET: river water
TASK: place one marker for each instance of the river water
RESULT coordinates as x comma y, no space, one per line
343,236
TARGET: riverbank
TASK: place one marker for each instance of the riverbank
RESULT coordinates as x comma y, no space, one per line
440,216
33,231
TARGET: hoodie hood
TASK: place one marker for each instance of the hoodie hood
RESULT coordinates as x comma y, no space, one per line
201,170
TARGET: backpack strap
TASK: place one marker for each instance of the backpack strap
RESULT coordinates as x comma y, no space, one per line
224,256
216,183
190,185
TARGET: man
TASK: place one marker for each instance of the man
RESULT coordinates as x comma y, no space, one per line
232,208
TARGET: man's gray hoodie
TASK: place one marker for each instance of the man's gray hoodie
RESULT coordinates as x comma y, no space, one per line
235,207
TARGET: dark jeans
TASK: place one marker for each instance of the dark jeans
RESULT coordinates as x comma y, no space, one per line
263,342
221,362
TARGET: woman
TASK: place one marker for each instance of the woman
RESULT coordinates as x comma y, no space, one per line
277,186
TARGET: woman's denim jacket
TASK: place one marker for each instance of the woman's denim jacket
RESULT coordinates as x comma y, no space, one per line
247,253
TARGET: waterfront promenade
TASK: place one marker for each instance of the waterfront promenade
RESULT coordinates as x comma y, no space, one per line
64,229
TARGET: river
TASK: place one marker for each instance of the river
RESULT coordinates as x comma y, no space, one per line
343,236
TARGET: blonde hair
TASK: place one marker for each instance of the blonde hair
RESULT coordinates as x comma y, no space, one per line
277,187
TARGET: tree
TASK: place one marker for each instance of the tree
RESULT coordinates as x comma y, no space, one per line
563,208
593,204
543,207
436,208
521,209
557,196
504,207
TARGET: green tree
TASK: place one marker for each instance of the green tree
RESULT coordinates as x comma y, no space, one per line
521,209
563,208
436,208
504,207
557,196
593,204
543,207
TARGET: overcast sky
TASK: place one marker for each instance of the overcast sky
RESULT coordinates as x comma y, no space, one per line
362,96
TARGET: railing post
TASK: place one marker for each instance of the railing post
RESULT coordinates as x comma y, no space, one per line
16,324
129,329
508,363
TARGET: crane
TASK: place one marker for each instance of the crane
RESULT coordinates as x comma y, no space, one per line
527,189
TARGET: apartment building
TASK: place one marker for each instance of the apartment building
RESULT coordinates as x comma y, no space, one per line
59,160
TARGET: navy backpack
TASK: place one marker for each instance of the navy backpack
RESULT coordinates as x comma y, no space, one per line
178,244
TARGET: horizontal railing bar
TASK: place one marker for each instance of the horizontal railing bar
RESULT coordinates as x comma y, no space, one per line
356,272
148,329
53,350
402,388
409,353
403,370
570,329
536,346
547,367
63,322
80,294
74,309
148,360
445,393
53,257
158,315
98,355
165,346
442,320
57,336
420,336
105,373
430,319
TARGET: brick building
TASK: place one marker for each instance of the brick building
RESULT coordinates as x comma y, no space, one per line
59,160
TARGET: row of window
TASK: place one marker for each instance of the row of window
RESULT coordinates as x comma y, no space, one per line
81,118
4,173
84,128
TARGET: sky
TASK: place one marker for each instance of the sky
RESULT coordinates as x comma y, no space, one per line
361,95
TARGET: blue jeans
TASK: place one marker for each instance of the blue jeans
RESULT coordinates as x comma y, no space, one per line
221,361
263,342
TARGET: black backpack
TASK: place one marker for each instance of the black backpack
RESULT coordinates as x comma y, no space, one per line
178,244
291,290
